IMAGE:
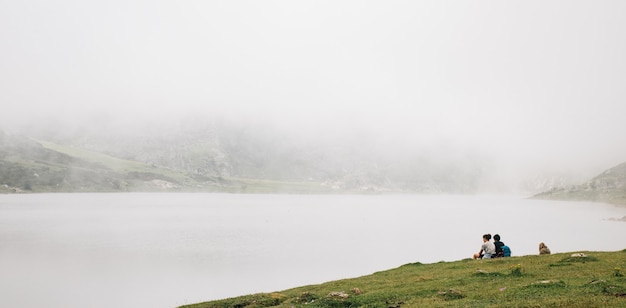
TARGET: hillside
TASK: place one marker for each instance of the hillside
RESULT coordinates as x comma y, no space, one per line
582,279
609,187
32,165
211,155
29,165
215,156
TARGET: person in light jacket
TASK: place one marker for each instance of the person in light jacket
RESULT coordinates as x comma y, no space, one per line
487,249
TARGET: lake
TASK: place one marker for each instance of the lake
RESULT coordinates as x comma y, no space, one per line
167,250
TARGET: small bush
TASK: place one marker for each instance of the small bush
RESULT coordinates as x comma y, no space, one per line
305,298
516,270
413,264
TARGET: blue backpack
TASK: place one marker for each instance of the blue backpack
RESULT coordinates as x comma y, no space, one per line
506,251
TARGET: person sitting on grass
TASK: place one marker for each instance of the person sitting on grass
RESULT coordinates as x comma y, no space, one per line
543,249
499,245
487,250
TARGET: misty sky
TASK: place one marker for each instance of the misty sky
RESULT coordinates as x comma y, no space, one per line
533,82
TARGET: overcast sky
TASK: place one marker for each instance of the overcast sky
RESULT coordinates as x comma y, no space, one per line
536,81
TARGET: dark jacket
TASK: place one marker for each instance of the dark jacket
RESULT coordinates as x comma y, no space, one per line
499,252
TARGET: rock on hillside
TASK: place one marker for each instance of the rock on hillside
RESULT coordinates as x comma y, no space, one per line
610,187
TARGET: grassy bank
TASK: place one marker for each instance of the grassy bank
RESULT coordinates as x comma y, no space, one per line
597,279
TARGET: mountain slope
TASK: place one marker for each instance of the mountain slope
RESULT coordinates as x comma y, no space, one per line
209,155
610,187
32,165
236,157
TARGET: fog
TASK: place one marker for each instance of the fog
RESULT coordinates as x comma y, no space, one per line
530,86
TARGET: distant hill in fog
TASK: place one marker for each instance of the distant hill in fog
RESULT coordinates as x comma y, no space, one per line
609,186
214,156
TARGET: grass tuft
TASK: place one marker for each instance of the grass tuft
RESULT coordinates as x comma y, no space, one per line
581,259
604,287
516,270
484,273
544,284
451,294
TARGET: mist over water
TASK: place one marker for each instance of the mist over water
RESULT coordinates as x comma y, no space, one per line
165,250
534,99
476,97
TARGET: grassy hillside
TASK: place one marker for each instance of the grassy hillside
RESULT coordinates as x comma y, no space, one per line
210,150
32,165
29,165
183,181
609,187
596,279
209,159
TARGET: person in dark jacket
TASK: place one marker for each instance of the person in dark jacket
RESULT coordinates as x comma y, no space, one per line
498,244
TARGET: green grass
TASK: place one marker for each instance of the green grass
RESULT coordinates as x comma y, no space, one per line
272,186
109,162
556,280
139,172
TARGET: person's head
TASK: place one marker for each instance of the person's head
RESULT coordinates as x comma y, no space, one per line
496,237
486,237
542,245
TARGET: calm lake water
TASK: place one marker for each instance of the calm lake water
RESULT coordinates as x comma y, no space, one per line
166,250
